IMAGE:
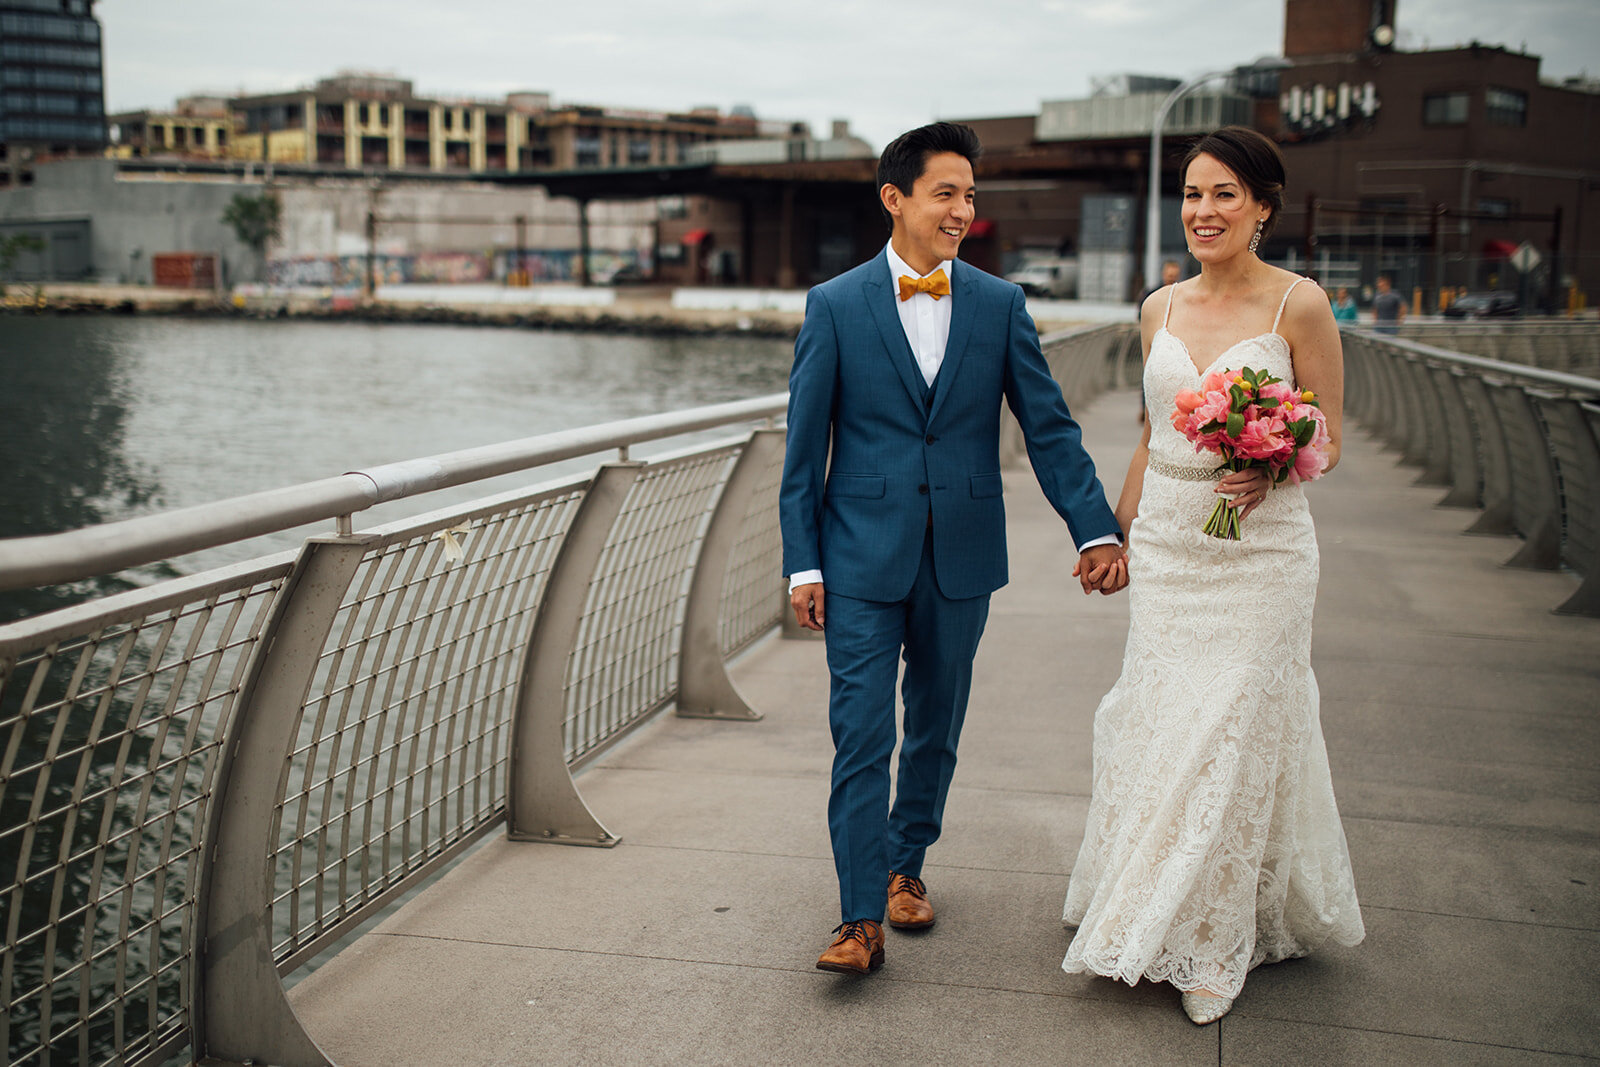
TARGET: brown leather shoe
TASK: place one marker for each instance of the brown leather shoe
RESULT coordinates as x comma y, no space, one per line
908,903
857,948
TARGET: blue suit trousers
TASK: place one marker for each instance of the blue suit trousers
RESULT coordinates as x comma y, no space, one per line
938,638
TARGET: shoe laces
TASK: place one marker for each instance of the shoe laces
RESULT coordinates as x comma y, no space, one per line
904,883
854,931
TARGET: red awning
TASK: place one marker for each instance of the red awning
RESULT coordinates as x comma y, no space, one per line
980,228
1496,249
694,237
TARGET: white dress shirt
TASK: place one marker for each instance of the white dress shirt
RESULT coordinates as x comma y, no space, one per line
926,322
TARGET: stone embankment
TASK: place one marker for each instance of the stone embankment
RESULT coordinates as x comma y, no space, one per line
645,311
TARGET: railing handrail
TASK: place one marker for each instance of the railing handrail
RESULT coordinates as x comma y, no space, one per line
1571,383
48,559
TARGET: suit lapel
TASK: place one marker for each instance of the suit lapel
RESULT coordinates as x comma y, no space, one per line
964,293
881,302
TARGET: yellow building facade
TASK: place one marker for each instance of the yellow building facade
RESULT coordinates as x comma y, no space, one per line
366,121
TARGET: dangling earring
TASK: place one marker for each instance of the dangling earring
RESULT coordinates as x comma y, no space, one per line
1255,238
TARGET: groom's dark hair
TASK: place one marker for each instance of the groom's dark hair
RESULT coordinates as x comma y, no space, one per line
903,162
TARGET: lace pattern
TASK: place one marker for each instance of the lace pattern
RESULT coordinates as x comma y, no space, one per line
1213,842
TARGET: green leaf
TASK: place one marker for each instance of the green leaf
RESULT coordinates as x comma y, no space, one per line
1235,424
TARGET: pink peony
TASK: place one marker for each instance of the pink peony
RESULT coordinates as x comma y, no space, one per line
1187,401
1309,463
1266,439
1278,391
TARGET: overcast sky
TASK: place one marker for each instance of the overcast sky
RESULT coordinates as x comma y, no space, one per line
886,65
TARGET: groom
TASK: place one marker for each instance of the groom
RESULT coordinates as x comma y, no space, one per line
900,370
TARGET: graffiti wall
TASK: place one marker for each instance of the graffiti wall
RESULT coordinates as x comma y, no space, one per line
447,268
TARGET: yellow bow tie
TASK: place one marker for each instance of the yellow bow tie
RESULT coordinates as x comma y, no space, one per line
935,285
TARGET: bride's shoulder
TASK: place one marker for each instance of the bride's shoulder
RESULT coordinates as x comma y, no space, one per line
1306,308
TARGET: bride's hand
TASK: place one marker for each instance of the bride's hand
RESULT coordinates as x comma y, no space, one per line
1248,488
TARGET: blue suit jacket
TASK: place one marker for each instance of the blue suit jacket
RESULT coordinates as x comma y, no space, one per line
897,459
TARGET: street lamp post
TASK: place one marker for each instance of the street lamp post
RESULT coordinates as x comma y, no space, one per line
1152,219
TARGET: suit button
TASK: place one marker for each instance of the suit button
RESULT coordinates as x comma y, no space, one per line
931,439
923,489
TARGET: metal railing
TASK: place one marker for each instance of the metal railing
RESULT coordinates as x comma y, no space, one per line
211,780
1521,443
1570,346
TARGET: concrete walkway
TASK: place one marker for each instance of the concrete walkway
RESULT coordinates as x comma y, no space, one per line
1462,720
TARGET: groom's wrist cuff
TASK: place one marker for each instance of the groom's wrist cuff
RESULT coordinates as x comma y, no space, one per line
799,578
1108,539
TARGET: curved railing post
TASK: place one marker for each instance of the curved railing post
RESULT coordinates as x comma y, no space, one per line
1465,473
1496,519
243,1015
544,801
1535,501
1572,438
704,689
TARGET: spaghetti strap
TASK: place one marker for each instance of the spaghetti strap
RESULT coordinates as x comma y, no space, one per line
1284,302
1167,317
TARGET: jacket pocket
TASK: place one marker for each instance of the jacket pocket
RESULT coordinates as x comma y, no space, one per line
986,485
865,486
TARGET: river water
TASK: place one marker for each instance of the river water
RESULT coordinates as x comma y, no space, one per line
105,417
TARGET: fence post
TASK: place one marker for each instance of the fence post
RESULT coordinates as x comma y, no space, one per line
704,689
243,1014
1535,500
544,801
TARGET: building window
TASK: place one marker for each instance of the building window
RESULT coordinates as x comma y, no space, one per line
1506,107
1494,205
63,55
58,27
1444,109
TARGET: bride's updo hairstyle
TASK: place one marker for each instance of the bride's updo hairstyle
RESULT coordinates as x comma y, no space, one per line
1251,156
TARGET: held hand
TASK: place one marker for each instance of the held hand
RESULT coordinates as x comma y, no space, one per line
1116,578
1248,488
1099,564
806,600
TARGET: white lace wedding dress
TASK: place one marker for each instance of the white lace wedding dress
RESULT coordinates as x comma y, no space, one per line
1213,843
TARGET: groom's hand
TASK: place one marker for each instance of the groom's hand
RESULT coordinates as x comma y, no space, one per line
807,603
1103,567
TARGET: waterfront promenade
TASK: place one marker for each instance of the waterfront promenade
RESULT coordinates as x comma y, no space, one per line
1462,720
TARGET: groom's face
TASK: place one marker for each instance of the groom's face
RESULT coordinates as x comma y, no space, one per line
930,222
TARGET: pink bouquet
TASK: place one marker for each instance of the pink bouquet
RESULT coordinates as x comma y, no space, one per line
1251,419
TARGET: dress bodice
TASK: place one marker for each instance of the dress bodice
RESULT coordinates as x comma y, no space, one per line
1170,369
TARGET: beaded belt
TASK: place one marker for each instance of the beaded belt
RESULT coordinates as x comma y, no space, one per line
1187,474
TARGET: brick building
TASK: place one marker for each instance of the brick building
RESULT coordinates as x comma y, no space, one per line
1433,166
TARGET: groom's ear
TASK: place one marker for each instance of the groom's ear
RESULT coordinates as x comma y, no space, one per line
889,195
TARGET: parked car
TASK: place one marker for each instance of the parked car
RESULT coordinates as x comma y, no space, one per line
1047,277
1483,306
626,274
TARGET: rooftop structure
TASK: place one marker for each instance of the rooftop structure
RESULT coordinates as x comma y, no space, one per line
376,121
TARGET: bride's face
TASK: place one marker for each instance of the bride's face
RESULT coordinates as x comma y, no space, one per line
1219,214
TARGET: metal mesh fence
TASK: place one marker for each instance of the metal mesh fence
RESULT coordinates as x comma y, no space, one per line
112,733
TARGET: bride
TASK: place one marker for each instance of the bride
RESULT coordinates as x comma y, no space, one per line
1213,843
